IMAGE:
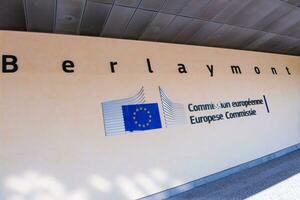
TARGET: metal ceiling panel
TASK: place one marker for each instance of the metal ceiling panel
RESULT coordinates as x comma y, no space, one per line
260,25
12,15
94,17
138,23
273,44
294,30
174,6
268,39
293,2
193,7
157,26
152,4
275,15
285,22
102,1
230,37
207,29
130,3
253,12
295,50
212,9
257,36
286,44
231,9
40,15
187,33
174,28
117,21
68,16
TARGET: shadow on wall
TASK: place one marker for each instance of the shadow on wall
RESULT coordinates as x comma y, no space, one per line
276,179
34,185
274,176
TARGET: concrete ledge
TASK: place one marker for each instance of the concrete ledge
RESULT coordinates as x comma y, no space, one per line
207,179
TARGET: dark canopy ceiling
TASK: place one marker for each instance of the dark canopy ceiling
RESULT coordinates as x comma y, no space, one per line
260,25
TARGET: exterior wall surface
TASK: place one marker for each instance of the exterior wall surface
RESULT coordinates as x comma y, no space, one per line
53,143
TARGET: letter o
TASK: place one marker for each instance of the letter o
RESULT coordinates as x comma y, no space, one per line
257,70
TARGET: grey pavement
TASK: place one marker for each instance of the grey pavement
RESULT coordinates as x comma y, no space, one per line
278,179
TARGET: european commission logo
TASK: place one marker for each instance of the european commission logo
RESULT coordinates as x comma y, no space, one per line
134,114
130,114
141,117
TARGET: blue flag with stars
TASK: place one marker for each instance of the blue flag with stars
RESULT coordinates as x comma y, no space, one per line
140,117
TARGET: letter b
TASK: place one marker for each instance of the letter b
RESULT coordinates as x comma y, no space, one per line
9,64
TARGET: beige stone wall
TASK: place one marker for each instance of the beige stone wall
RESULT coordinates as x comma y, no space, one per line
52,138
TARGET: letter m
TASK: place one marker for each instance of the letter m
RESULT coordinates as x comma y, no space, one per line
236,69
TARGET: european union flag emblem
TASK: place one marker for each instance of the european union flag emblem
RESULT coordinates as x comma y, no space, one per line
140,117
